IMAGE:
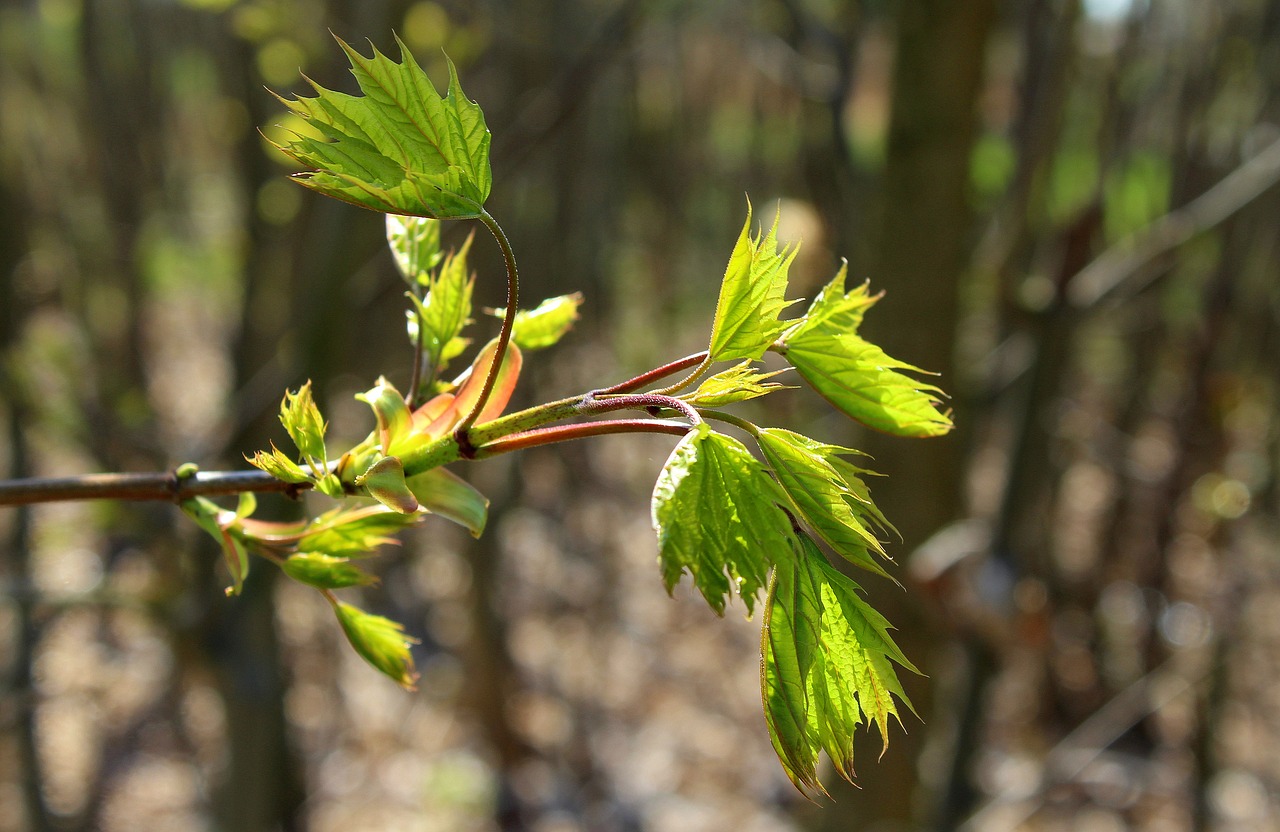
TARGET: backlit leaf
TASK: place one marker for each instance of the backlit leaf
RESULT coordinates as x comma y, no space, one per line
717,514
325,571
448,495
379,641
353,532
392,414
444,312
837,311
385,482
829,504
862,381
219,523
545,324
751,296
415,245
279,466
401,147
736,384
472,383
826,666
301,418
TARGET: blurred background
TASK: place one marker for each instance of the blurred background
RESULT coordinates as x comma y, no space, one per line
1069,205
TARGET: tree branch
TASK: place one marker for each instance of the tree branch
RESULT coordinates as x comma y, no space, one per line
168,487
1111,270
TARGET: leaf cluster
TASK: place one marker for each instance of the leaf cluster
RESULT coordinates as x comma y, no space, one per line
738,519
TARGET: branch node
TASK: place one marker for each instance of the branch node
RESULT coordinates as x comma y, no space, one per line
466,449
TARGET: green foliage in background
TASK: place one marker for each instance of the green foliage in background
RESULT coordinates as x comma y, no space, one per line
739,520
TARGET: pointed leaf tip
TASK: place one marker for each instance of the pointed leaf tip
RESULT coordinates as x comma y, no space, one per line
752,295
826,666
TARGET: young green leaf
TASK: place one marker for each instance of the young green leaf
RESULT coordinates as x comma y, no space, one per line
325,571
751,296
385,482
822,496
279,466
444,312
826,666
392,414
717,515
415,244
353,532
379,641
218,522
448,495
858,377
544,325
301,418
736,384
837,311
401,148
330,486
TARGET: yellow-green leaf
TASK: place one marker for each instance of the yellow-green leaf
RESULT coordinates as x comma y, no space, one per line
325,571
837,311
751,296
415,245
544,325
718,517
826,666
859,379
401,147
301,418
353,532
736,384
819,492
379,641
279,466
448,495
392,414
385,482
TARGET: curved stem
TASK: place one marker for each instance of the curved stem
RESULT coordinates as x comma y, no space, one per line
504,334
656,373
699,372
730,419
565,433
167,486
415,381
640,401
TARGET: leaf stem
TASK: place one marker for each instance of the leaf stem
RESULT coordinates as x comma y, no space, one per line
640,401
415,382
698,372
656,373
730,419
504,335
565,433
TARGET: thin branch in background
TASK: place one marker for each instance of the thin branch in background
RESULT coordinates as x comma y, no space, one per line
21,684
548,112
1120,268
1067,760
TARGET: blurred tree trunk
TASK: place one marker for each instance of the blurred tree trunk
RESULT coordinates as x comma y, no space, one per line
922,250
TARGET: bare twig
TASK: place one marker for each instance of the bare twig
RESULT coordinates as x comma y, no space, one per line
139,487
